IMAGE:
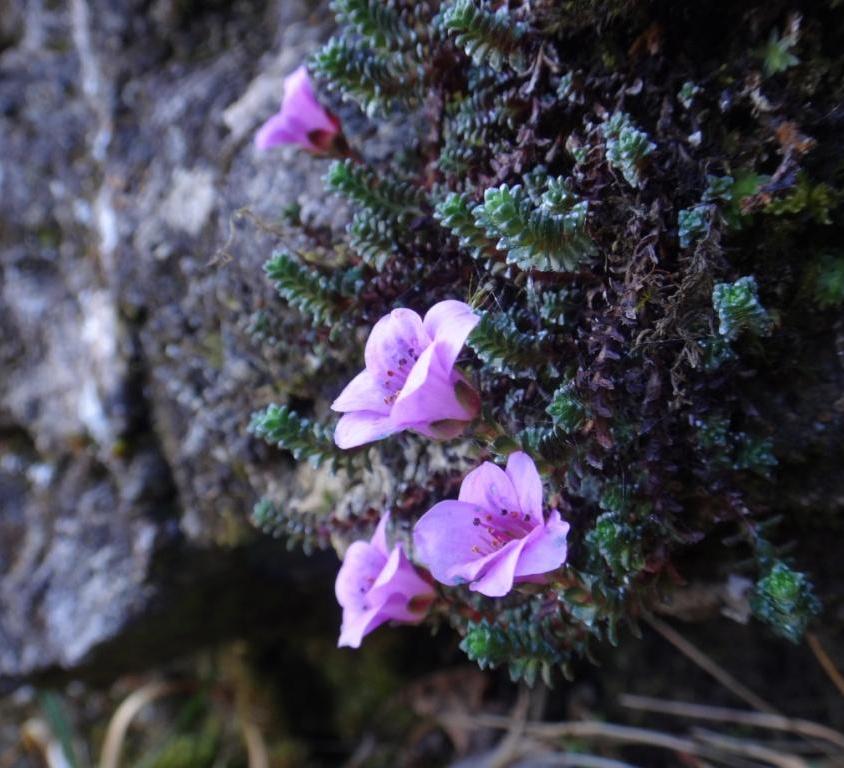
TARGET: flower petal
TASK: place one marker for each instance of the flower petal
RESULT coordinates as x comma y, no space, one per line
300,102
490,488
361,567
356,624
399,608
500,571
362,393
545,547
361,427
379,538
474,570
429,394
392,337
301,119
399,577
525,478
446,538
275,132
450,322
394,344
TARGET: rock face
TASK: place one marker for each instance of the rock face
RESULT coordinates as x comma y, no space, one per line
129,294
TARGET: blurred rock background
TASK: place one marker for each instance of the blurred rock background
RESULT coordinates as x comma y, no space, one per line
129,361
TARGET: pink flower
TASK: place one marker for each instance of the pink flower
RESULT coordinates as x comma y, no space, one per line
410,381
494,534
375,585
301,120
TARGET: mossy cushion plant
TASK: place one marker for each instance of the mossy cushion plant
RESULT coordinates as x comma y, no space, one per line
631,219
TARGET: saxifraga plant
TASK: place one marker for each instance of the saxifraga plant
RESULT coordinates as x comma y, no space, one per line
642,273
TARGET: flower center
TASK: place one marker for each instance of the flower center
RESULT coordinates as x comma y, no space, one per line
365,585
400,361
498,529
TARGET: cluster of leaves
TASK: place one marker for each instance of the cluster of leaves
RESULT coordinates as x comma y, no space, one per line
372,61
305,439
784,599
308,530
627,147
488,38
548,236
642,271
826,280
316,296
549,632
739,309
501,346
528,648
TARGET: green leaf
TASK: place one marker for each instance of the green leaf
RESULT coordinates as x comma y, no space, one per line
54,712
548,238
384,197
566,410
719,188
739,309
816,200
526,643
375,21
505,349
826,280
488,38
311,293
374,81
618,543
455,214
776,54
374,239
626,147
693,224
307,530
687,93
305,439
547,442
785,600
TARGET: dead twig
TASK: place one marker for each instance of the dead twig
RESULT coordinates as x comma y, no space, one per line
128,710
705,744
542,757
507,747
37,736
708,665
361,755
223,256
750,749
590,729
256,747
826,662
736,716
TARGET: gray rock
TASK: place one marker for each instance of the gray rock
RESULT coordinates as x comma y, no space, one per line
128,288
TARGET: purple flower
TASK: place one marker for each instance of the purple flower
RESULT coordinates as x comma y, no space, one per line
494,534
410,381
375,585
301,120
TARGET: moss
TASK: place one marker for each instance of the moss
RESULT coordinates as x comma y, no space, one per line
213,351
777,54
826,280
815,200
